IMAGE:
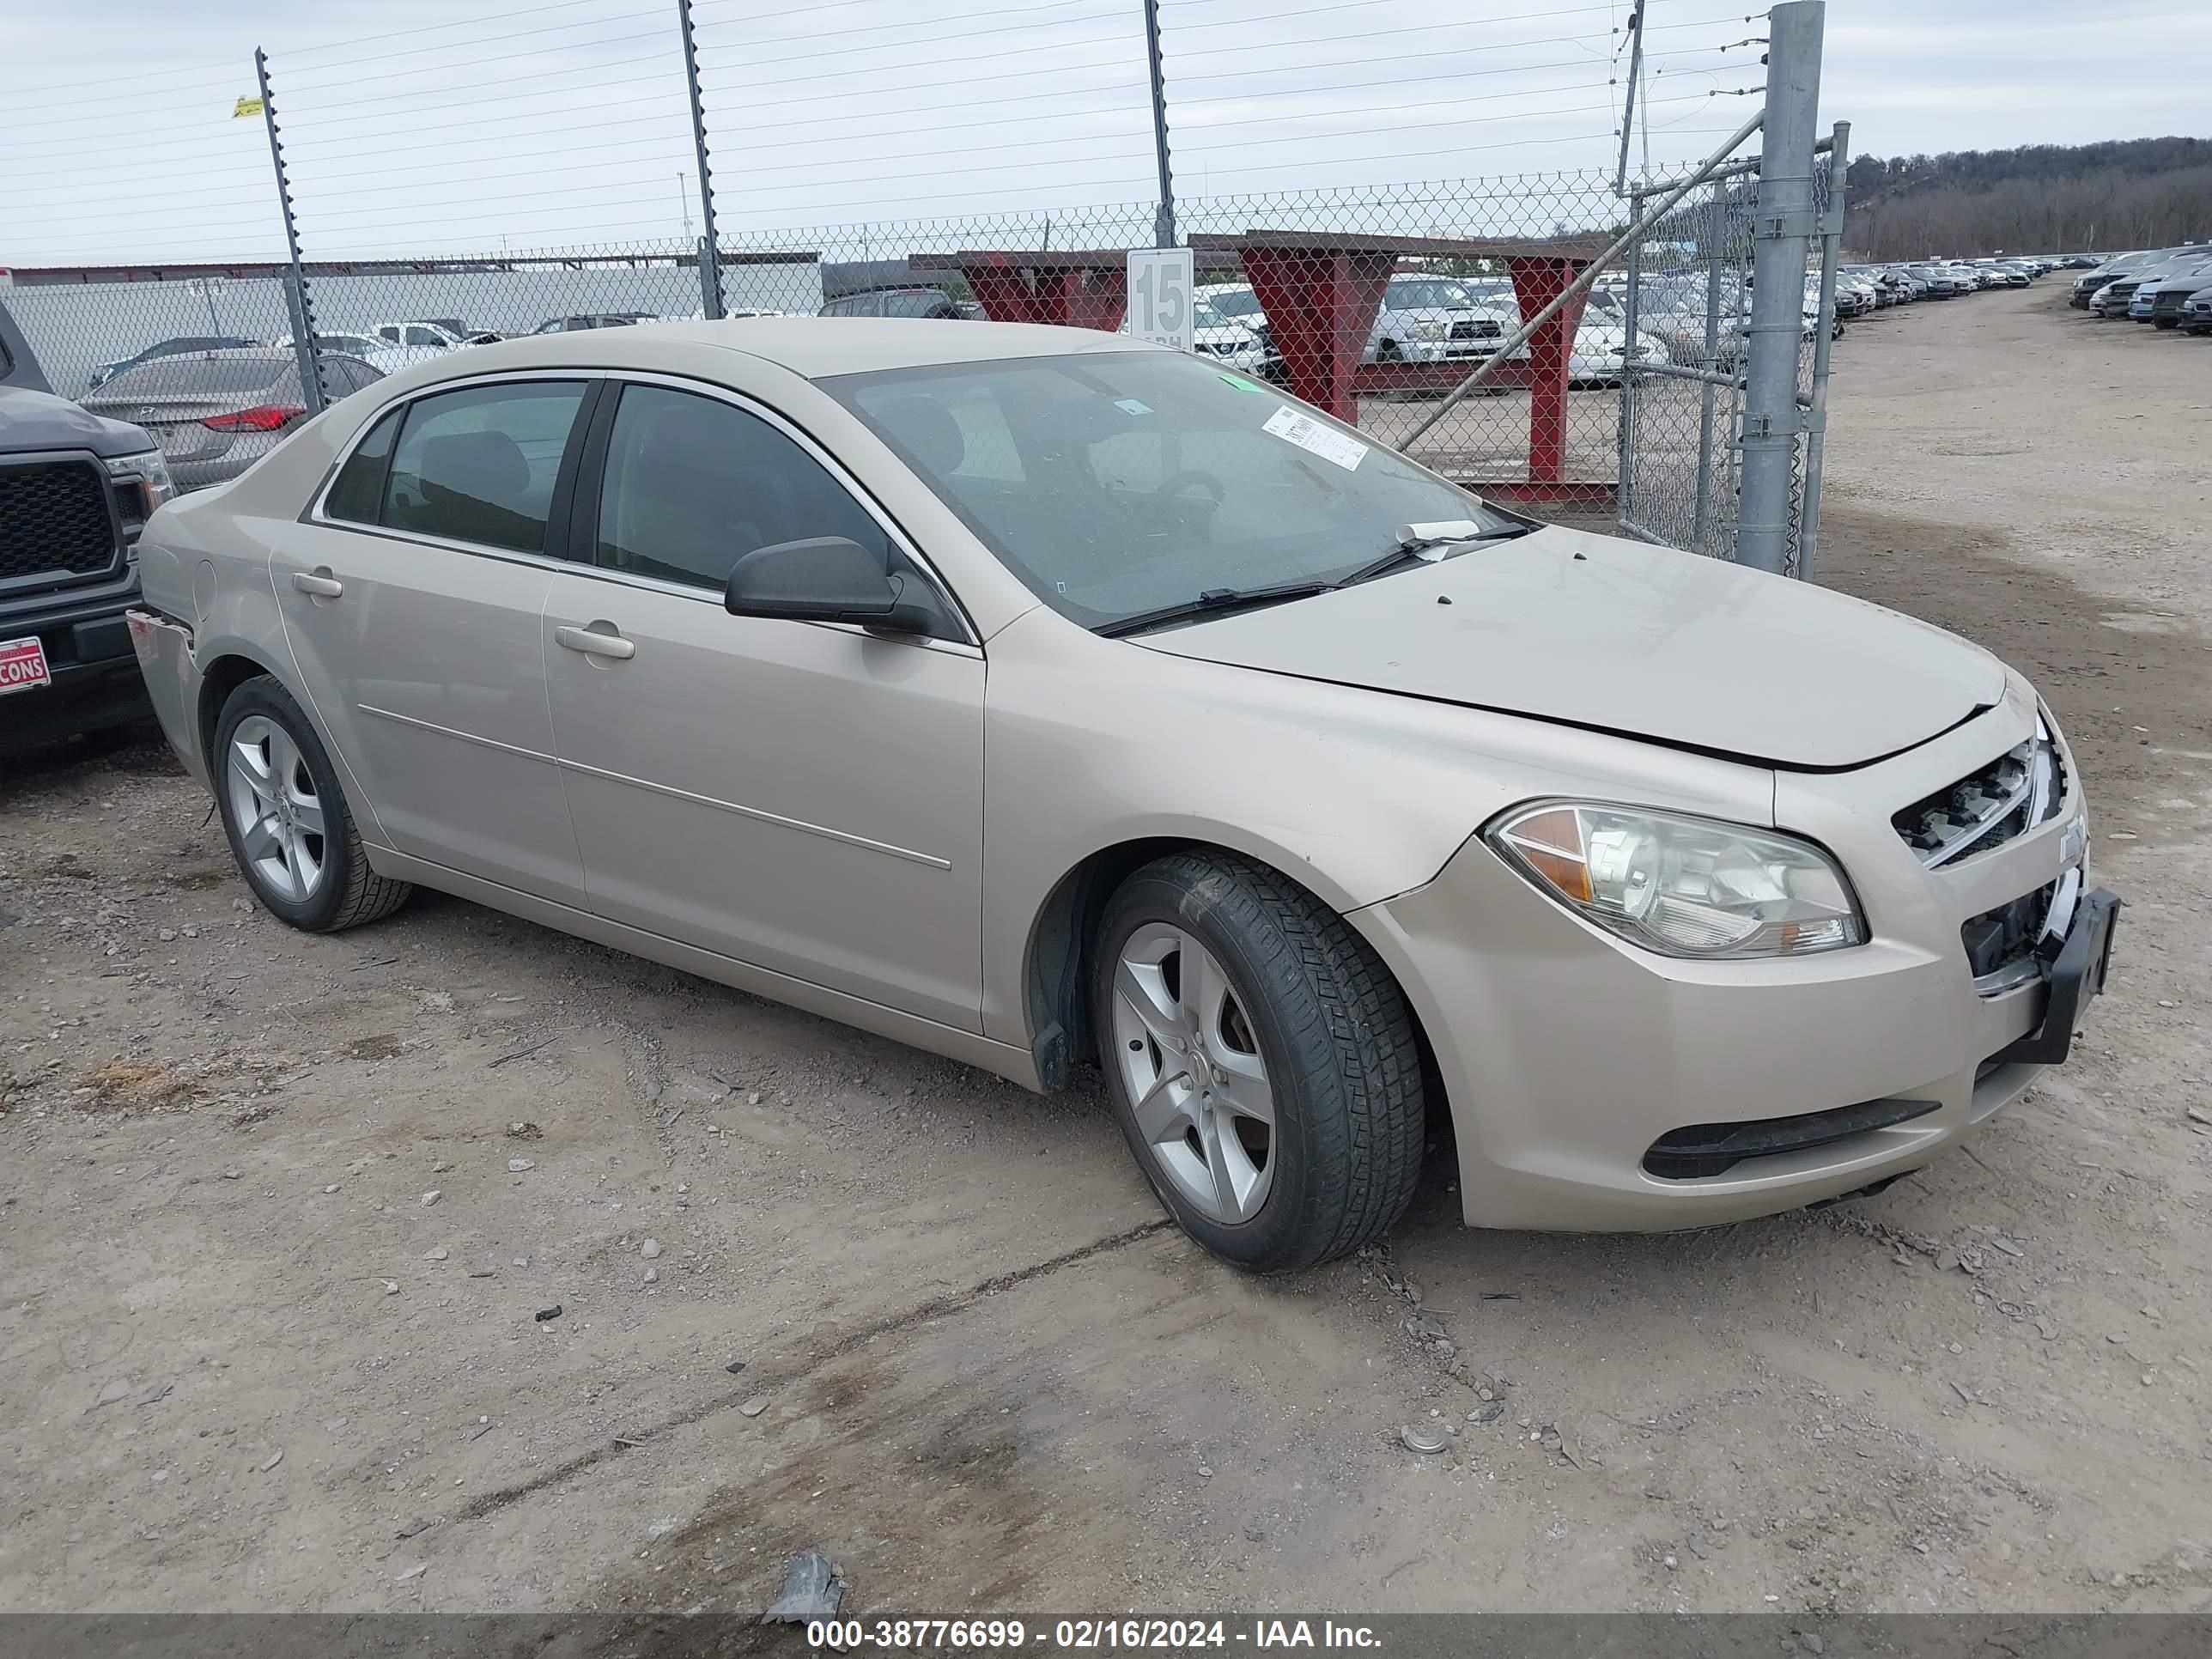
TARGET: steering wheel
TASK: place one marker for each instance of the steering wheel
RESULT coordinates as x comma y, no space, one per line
1176,482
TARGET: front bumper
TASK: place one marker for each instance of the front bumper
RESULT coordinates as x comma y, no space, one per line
96,683
1469,352
1568,1056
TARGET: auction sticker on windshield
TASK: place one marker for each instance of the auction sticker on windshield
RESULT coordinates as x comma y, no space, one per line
23,665
1315,438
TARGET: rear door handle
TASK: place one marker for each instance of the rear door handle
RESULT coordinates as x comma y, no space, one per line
595,645
320,583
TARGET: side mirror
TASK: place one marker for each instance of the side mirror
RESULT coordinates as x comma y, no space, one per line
823,579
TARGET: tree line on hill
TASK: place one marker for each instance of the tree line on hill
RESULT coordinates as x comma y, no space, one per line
2045,198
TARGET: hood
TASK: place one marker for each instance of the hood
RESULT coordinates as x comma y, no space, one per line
39,420
1617,635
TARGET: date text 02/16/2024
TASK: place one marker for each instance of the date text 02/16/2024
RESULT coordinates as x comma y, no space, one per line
1084,1635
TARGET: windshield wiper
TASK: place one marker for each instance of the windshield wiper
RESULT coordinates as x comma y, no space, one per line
1428,549
1214,601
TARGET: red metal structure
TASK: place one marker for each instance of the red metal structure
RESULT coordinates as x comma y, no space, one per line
1077,288
1321,294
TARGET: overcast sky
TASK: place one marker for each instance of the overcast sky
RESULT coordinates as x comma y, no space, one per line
451,125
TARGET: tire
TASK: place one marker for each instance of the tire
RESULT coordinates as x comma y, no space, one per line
261,736
1305,1000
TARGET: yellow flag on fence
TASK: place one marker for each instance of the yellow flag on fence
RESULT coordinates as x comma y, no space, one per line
246,107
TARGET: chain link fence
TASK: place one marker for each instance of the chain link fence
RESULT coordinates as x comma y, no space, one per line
1624,409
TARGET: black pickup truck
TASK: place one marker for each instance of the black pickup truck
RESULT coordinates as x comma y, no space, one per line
75,491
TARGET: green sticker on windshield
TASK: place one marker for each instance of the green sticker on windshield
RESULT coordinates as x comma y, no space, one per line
1241,383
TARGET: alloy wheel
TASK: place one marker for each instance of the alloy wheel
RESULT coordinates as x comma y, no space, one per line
1197,1083
274,804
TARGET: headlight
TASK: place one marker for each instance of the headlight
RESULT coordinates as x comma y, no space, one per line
1428,331
150,474
1682,886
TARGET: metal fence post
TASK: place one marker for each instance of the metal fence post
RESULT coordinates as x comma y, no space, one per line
1623,472
1816,417
1717,231
1782,232
297,303
710,249
1164,218
1634,84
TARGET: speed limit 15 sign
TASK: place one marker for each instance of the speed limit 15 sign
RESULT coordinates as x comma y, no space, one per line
1161,280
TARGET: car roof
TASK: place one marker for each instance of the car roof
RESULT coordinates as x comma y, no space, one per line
815,347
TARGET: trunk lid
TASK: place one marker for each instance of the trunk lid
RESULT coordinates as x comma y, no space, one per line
1617,635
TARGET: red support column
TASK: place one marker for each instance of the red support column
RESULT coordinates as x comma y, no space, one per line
1320,305
1098,297
1537,283
1076,295
1004,292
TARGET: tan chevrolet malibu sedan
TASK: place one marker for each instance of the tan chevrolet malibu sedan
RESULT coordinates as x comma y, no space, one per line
1043,699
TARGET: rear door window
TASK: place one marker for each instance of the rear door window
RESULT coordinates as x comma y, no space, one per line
479,464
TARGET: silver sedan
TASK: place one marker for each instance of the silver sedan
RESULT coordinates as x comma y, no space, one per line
1048,699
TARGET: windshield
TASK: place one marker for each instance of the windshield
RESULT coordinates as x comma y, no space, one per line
1231,302
1117,483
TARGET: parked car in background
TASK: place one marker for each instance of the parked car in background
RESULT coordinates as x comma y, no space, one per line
2175,292
2196,314
1218,336
2099,277
594,319
421,334
1433,320
180,346
1334,812
374,349
1939,280
2142,304
215,414
902,301
75,491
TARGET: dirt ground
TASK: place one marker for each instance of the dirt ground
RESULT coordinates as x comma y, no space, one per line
278,1215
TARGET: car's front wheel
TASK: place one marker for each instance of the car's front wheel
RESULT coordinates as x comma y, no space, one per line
1260,1059
287,819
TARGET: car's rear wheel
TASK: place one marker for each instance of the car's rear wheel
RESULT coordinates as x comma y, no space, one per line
1260,1059
287,819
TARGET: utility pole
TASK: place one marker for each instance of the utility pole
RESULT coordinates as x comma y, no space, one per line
684,200
1783,228
1164,219
710,251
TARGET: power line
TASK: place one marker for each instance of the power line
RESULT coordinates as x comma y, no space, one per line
963,101
282,64
1133,112
925,63
458,23
923,41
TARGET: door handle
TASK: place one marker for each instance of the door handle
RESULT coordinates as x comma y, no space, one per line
595,645
320,583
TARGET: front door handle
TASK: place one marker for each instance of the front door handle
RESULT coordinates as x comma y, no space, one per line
595,645
320,583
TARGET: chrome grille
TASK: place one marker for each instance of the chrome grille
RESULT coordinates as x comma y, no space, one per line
2018,790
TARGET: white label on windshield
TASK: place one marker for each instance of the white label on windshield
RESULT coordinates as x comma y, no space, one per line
1317,438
